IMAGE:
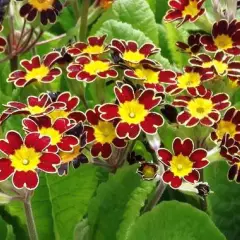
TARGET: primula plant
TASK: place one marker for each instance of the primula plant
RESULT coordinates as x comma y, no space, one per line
119,119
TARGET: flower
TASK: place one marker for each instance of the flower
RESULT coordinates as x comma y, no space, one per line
76,157
183,163
133,158
229,124
133,112
184,10
192,46
220,64
201,107
87,69
47,9
101,134
54,130
36,106
24,158
191,80
105,4
69,112
130,53
225,37
151,76
36,70
3,42
230,150
148,171
65,58
95,46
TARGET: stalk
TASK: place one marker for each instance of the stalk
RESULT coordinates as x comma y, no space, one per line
84,20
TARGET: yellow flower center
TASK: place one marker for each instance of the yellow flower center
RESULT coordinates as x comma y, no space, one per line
180,165
147,74
191,9
25,159
135,57
189,80
223,42
37,73
132,112
96,66
104,132
69,156
54,115
219,66
41,5
35,110
54,135
148,172
93,49
225,127
200,107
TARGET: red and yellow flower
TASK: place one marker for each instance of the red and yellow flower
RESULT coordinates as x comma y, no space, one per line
225,37
47,9
184,10
229,124
220,64
36,70
54,130
183,163
131,53
148,171
152,77
71,103
105,4
101,134
133,112
3,42
88,69
24,158
192,46
76,157
201,107
95,46
191,80
230,150
36,106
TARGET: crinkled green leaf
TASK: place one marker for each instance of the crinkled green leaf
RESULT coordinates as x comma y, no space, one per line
3,228
174,221
152,4
139,15
224,205
113,203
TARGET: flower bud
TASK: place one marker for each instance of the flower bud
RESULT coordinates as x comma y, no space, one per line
154,141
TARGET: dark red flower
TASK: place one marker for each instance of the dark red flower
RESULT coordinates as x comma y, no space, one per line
101,134
24,158
225,37
184,10
148,171
3,42
229,124
201,107
88,69
133,112
36,70
191,80
151,76
192,46
47,9
183,163
54,130
95,46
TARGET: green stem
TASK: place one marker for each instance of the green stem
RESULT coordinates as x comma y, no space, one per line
32,231
76,9
84,20
14,63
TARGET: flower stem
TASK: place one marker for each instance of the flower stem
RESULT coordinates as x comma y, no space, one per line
32,231
84,20
14,63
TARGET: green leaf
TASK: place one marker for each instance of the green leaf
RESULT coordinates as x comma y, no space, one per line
161,9
120,30
139,15
224,203
10,234
3,228
114,203
173,35
152,4
174,221
59,203
81,231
